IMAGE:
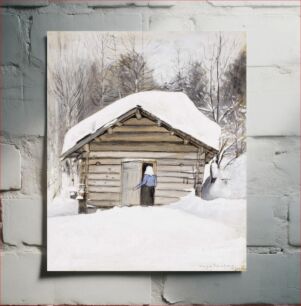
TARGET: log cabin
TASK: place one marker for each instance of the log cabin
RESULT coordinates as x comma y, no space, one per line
113,147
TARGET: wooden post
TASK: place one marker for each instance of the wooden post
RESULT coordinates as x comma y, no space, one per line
110,131
82,207
81,191
198,183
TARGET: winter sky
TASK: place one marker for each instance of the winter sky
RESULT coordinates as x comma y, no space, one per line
165,52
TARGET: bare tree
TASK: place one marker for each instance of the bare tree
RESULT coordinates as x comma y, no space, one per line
197,84
234,92
67,89
134,74
217,87
117,72
100,69
68,86
225,101
179,82
216,66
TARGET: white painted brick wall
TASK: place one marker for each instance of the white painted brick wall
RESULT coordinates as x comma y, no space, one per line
24,3
294,220
22,221
171,23
10,171
273,162
25,283
13,47
271,279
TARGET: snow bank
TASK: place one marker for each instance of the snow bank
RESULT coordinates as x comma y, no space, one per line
231,182
172,237
62,206
174,108
231,212
236,177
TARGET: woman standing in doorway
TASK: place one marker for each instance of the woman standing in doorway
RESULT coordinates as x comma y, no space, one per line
147,186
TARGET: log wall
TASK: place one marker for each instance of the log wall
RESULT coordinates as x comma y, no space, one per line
176,162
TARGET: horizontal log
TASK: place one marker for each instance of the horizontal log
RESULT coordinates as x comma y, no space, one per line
110,183
99,168
144,155
103,176
110,196
176,162
97,172
140,128
163,179
104,161
189,169
140,147
160,161
101,189
160,186
140,137
105,169
104,203
164,200
109,204
173,186
171,193
135,121
176,174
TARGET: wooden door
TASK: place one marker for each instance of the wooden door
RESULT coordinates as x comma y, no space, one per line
131,176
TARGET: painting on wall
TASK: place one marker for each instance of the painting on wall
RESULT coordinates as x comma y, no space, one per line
146,151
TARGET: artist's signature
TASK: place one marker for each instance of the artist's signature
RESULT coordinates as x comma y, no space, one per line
228,267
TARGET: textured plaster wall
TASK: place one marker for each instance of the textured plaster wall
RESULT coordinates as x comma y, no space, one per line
273,33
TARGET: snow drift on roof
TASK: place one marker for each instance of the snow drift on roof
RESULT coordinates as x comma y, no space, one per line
174,108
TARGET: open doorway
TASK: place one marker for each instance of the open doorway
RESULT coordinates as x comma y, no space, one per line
147,193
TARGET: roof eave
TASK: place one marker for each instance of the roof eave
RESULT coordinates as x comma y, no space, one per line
126,116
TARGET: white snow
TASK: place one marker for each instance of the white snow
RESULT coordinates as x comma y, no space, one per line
174,108
236,177
230,212
231,182
190,235
214,169
62,206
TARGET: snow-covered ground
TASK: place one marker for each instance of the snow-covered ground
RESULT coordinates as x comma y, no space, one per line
192,234
62,206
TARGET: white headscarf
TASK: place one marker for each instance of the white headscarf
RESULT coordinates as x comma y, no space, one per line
149,170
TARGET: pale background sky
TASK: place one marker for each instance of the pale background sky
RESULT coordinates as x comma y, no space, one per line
160,49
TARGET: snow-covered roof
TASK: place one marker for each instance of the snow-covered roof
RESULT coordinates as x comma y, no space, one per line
173,108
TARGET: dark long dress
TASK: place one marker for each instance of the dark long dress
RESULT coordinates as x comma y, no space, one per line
147,195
